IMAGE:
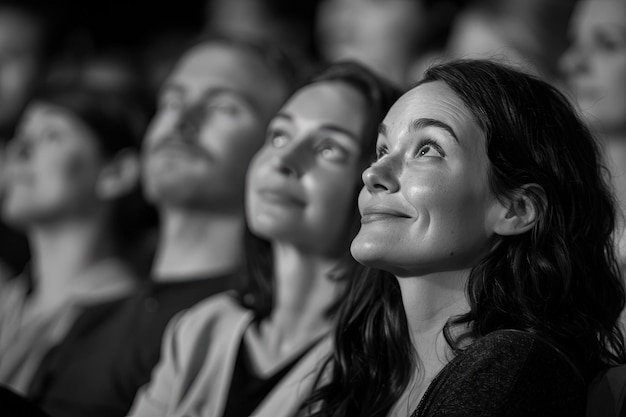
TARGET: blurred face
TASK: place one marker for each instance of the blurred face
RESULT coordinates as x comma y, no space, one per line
212,116
595,64
426,204
52,167
18,64
301,183
369,31
239,17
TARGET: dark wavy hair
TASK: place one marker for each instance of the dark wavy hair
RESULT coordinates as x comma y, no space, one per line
559,280
257,287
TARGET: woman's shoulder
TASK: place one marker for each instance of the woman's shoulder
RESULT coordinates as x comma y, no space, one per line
210,319
513,370
510,351
213,325
211,312
504,343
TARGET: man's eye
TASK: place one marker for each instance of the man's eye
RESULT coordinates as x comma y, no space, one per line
226,109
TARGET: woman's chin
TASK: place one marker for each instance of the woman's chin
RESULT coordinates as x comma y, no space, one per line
365,251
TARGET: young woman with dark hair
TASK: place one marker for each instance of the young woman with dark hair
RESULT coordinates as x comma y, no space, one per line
489,222
257,292
72,183
257,352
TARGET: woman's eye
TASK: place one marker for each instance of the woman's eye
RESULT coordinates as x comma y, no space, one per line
426,151
331,151
380,152
429,148
278,139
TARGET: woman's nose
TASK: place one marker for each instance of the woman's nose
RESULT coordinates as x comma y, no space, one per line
291,160
383,176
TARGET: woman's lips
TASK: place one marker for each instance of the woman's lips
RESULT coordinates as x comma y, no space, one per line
372,214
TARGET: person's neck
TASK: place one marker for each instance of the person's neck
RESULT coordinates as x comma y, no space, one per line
429,302
62,252
195,244
303,294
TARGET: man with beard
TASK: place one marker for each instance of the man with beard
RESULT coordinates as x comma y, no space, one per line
211,119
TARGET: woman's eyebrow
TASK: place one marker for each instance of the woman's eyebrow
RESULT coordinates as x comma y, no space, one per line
283,115
422,123
342,130
328,126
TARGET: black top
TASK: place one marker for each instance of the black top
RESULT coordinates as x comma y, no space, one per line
14,405
14,250
110,351
506,373
248,390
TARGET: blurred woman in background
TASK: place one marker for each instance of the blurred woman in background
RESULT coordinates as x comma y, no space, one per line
397,39
528,34
594,67
71,182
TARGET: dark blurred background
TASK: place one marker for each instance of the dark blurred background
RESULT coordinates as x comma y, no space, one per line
130,46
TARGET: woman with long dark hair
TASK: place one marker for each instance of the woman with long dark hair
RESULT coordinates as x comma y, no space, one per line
257,352
489,222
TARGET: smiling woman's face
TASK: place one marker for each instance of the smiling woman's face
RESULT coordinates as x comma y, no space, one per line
301,184
426,206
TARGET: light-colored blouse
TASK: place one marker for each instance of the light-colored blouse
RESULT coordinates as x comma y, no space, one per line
27,333
199,352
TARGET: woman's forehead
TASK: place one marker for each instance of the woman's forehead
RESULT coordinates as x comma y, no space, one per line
433,100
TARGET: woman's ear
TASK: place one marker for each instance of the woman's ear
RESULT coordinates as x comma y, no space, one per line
119,176
521,211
